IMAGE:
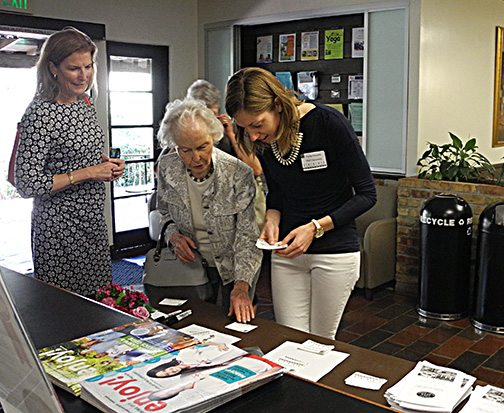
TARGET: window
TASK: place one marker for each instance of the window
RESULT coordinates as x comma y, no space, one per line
138,92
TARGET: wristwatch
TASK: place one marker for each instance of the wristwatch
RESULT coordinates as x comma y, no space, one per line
319,231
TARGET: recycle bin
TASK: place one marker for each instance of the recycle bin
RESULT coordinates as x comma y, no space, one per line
445,257
488,307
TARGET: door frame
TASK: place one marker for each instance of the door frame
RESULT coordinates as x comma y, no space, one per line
138,240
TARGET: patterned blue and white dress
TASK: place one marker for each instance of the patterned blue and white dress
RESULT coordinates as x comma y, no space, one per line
69,235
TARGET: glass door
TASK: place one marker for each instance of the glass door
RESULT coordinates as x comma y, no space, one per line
137,95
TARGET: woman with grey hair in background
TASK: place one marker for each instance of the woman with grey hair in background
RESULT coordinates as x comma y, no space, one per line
203,90
210,197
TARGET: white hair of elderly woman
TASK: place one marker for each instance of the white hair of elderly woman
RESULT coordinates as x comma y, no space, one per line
180,113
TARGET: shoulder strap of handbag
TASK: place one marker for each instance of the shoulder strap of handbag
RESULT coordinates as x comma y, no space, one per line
161,243
10,177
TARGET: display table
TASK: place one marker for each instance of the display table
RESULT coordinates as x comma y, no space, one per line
52,315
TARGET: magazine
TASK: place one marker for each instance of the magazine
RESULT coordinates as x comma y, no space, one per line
162,386
69,363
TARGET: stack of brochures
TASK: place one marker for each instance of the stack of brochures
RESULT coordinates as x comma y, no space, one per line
430,388
71,362
485,399
176,383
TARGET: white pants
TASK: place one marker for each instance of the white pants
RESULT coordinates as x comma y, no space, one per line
310,292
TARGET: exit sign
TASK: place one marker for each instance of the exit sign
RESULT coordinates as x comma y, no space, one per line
16,6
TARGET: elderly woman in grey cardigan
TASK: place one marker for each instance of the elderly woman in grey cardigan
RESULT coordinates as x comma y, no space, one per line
210,197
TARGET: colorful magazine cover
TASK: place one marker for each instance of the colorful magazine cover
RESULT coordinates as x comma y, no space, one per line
159,385
67,364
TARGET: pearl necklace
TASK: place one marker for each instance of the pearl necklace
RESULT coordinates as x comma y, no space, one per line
294,152
208,175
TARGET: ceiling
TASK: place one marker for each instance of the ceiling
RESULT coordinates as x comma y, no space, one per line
21,42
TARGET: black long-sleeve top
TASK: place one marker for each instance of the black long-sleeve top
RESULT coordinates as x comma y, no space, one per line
344,189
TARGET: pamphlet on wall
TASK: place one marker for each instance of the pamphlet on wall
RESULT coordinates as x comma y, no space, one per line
358,42
355,115
356,87
285,79
337,106
287,45
307,85
333,42
309,46
264,49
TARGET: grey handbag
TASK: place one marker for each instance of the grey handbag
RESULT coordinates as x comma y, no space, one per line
165,276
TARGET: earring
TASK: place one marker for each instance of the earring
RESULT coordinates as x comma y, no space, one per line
55,75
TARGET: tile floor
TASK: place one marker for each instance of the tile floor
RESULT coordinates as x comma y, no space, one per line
390,324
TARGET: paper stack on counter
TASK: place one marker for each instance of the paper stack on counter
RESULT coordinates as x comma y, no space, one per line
430,388
485,399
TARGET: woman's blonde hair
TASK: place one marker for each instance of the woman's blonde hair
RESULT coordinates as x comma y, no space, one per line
181,112
57,48
255,90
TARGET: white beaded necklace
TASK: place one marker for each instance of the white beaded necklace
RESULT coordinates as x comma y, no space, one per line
294,152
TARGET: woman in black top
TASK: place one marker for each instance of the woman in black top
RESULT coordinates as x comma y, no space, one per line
319,181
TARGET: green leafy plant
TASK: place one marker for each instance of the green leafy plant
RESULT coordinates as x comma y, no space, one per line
454,161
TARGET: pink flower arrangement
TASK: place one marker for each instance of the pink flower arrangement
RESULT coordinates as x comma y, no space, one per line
130,301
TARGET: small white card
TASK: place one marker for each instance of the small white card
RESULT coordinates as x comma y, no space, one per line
156,315
242,328
365,381
263,245
317,348
172,301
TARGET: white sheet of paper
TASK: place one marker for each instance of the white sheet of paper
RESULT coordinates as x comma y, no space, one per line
172,301
311,366
485,399
242,328
205,334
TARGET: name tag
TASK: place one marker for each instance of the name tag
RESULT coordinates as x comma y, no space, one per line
313,160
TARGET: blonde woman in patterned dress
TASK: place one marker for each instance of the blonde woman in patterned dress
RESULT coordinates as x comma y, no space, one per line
60,164
210,197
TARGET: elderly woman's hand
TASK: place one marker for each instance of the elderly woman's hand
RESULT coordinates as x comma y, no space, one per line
241,305
183,247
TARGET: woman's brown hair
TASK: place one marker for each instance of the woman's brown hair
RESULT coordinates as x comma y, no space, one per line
57,48
255,91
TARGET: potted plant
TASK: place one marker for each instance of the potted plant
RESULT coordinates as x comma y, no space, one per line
454,162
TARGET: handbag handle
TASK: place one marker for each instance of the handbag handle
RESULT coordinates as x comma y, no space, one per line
160,243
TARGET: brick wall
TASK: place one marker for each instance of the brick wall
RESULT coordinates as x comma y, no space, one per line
412,193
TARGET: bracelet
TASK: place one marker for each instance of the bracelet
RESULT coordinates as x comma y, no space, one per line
71,178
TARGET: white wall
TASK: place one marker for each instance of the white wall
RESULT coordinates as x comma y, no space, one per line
457,58
156,22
